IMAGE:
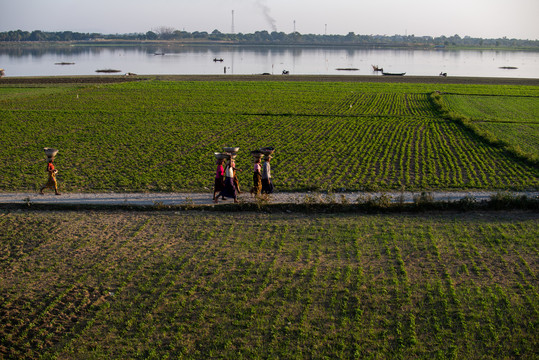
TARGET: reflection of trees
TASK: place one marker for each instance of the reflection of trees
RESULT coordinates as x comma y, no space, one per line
60,51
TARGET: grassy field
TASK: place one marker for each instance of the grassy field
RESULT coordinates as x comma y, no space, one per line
512,119
89,285
160,136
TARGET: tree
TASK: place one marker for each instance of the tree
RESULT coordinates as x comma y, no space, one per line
150,35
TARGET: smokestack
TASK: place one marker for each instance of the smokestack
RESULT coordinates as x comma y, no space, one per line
232,21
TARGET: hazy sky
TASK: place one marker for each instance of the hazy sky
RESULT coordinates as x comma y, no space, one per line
476,18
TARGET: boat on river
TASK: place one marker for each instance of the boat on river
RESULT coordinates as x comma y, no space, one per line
393,74
108,71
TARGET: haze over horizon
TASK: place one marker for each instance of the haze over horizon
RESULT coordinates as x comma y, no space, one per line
475,18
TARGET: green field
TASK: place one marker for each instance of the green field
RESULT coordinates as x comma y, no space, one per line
160,136
143,285
513,119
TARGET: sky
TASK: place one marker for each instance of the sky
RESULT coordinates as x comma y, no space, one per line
476,18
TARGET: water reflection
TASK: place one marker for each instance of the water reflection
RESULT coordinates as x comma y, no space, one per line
175,59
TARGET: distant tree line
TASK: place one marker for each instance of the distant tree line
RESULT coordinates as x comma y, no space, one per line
278,38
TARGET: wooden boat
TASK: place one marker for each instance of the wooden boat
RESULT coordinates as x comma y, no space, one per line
347,69
216,60
64,63
108,71
393,74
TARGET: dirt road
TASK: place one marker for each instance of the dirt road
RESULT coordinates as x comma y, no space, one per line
138,199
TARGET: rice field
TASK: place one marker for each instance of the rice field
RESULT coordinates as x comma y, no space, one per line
511,119
157,285
161,136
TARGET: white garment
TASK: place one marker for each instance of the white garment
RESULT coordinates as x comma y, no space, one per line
229,172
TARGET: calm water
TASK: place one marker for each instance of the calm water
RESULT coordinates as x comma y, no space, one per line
256,60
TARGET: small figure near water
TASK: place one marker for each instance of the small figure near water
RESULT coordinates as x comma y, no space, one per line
51,182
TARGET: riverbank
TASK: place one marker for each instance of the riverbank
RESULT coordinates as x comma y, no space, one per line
103,79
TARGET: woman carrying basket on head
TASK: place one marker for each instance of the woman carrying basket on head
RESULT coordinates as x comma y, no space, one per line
219,178
257,178
51,182
229,189
267,185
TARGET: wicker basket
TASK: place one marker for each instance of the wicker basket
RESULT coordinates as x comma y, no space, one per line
50,152
267,151
221,156
231,149
257,154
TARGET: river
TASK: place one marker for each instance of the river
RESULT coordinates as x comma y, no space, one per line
246,60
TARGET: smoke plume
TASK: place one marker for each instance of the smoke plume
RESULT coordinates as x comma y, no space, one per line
266,11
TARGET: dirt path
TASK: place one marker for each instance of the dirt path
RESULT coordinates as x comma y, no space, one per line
137,199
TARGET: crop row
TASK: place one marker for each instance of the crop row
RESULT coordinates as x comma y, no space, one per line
162,286
161,137
512,120
173,151
512,109
231,100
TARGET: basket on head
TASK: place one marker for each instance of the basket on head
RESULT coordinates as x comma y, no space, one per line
231,149
257,154
50,152
221,156
267,151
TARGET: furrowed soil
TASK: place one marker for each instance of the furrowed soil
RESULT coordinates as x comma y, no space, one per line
112,284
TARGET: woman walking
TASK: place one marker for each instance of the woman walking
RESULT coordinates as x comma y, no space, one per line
267,185
229,190
51,182
219,178
257,178
236,181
